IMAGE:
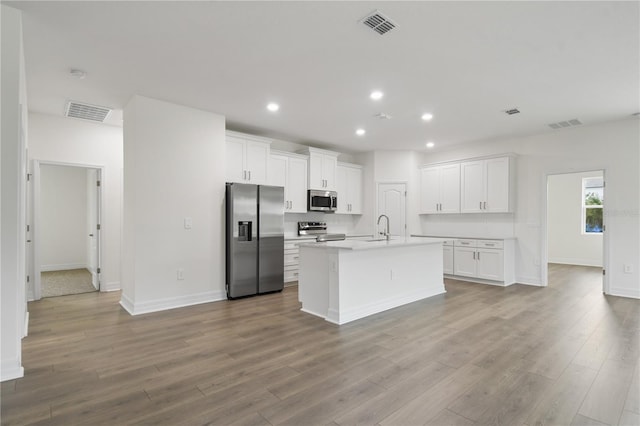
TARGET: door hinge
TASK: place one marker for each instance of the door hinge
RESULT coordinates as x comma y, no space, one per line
405,193
98,183
98,270
27,278
98,227
28,228
604,272
604,228
28,177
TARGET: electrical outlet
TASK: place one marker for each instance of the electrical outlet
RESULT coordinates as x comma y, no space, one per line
180,274
188,223
628,269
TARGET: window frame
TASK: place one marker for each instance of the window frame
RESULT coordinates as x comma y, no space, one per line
584,207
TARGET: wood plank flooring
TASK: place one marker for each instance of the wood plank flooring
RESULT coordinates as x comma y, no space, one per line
477,355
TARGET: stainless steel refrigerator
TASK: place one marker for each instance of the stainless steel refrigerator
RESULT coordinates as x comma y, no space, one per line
254,239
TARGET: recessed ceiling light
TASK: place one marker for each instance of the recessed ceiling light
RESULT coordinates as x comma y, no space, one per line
430,144
360,132
376,95
427,116
273,107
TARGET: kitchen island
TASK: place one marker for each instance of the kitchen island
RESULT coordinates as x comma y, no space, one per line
342,281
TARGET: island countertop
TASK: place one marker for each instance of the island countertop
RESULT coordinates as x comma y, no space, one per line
377,243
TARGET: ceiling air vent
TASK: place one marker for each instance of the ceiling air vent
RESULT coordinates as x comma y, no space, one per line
512,111
567,123
86,111
378,22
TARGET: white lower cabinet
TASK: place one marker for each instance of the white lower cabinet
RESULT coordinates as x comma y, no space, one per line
486,261
447,257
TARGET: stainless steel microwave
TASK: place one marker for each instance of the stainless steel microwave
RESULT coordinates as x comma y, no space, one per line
323,201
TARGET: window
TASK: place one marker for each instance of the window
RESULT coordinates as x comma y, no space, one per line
592,201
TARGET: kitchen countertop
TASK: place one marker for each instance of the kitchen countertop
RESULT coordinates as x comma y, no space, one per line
461,238
378,244
313,237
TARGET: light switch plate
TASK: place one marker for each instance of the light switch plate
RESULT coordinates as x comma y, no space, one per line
628,269
188,223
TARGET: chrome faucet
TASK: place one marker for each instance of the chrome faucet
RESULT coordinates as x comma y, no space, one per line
386,232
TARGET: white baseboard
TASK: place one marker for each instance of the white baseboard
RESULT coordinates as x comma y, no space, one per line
10,369
110,286
523,279
171,302
575,261
632,293
62,267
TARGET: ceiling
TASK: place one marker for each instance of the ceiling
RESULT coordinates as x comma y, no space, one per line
464,62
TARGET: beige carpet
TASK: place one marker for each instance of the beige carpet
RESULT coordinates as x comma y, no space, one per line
61,283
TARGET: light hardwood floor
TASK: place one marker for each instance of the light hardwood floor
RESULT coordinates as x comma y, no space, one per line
479,354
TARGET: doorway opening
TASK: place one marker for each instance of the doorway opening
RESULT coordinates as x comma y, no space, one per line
66,229
392,202
575,231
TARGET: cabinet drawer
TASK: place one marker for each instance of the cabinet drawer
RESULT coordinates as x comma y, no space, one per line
291,258
290,274
465,243
448,243
491,244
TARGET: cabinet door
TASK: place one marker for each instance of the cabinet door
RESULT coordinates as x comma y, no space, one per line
490,264
473,186
430,190
464,262
447,253
257,158
315,172
497,177
278,171
297,185
329,166
450,188
235,160
354,178
342,186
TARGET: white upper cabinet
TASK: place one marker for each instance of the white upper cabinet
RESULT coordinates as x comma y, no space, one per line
290,171
349,188
487,186
440,189
247,158
322,169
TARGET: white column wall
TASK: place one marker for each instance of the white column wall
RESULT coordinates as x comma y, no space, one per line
13,125
174,167
65,140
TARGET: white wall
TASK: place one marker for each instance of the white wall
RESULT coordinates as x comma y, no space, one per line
566,241
67,140
612,147
63,218
13,125
174,167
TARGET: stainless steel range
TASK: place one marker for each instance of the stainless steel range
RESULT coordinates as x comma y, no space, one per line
312,228
319,229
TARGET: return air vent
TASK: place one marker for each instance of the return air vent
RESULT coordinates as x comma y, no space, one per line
86,111
567,123
378,22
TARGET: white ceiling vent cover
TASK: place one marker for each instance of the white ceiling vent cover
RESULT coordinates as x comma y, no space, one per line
378,22
563,124
86,111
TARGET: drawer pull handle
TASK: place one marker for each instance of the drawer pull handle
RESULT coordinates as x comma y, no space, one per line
295,257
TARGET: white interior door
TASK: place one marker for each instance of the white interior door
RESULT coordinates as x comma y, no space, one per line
93,219
392,199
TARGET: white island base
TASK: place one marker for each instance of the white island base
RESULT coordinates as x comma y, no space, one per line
342,281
